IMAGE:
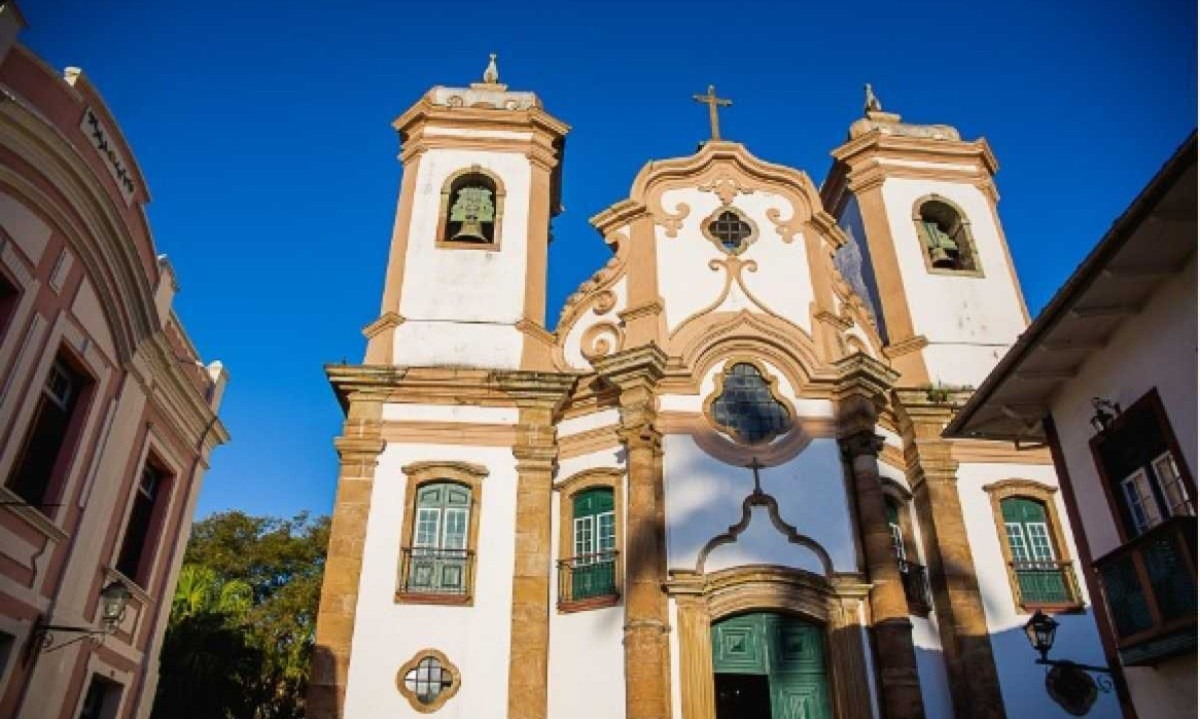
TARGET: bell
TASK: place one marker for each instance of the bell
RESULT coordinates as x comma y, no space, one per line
471,230
471,209
939,258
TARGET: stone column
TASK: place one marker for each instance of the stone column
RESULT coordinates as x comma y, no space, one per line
647,654
697,690
894,650
861,392
932,474
538,397
359,448
847,665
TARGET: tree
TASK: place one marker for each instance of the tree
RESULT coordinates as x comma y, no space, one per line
262,577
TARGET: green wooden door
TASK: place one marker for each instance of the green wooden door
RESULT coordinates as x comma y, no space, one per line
788,651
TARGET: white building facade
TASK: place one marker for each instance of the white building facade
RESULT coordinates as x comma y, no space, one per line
1106,376
717,486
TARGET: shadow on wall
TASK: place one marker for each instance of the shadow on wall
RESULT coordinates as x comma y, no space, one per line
321,702
1022,682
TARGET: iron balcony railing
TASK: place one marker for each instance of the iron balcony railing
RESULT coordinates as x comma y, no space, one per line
1149,585
588,577
428,570
1045,584
916,586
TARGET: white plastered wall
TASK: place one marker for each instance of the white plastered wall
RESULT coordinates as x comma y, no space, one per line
687,284
1156,349
1021,680
704,497
460,305
587,653
476,639
969,321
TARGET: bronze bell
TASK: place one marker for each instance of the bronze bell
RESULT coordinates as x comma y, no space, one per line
471,230
939,258
472,208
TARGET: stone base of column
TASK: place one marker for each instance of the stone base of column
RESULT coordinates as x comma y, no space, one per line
901,688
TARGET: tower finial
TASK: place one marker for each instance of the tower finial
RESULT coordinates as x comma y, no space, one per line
491,75
872,104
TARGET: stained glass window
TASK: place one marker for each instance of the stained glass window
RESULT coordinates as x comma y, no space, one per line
746,408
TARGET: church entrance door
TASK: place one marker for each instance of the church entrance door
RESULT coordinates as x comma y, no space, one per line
769,666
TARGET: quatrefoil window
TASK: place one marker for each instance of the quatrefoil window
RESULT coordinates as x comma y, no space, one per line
730,231
745,405
428,680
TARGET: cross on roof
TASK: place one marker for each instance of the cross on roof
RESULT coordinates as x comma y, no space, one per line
713,103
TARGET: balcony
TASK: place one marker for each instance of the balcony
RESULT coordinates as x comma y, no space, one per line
916,586
588,581
435,576
1149,585
1046,585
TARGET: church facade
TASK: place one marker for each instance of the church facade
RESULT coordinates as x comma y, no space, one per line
717,486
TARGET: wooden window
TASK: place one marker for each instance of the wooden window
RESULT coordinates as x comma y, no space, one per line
1146,479
441,531
594,530
912,574
946,237
141,534
9,295
102,700
47,450
472,210
1040,571
439,557
590,518
897,532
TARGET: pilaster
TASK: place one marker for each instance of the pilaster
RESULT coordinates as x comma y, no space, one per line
932,474
358,448
636,373
860,396
538,397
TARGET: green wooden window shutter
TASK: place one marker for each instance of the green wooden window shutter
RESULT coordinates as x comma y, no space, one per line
594,542
893,514
1040,576
440,535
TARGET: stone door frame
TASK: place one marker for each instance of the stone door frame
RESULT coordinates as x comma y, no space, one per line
836,604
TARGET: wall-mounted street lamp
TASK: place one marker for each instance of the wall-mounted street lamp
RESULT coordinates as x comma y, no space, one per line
1071,684
113,600
1105,412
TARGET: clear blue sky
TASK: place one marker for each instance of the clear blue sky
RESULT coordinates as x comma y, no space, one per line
263,130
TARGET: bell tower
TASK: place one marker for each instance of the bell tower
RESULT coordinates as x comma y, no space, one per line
928,249
466,275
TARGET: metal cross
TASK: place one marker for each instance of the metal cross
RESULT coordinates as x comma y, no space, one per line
754,466
713,103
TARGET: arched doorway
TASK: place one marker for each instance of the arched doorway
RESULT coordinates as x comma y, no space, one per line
769,666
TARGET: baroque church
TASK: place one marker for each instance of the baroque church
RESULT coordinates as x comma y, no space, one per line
716,487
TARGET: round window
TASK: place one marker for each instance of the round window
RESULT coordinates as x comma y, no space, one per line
428,680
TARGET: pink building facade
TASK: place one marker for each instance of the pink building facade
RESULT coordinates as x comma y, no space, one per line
107,414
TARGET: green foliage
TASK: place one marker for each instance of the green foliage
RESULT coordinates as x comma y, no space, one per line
243,619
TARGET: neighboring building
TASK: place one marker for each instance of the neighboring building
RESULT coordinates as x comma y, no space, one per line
718,487
1106,376
107,417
